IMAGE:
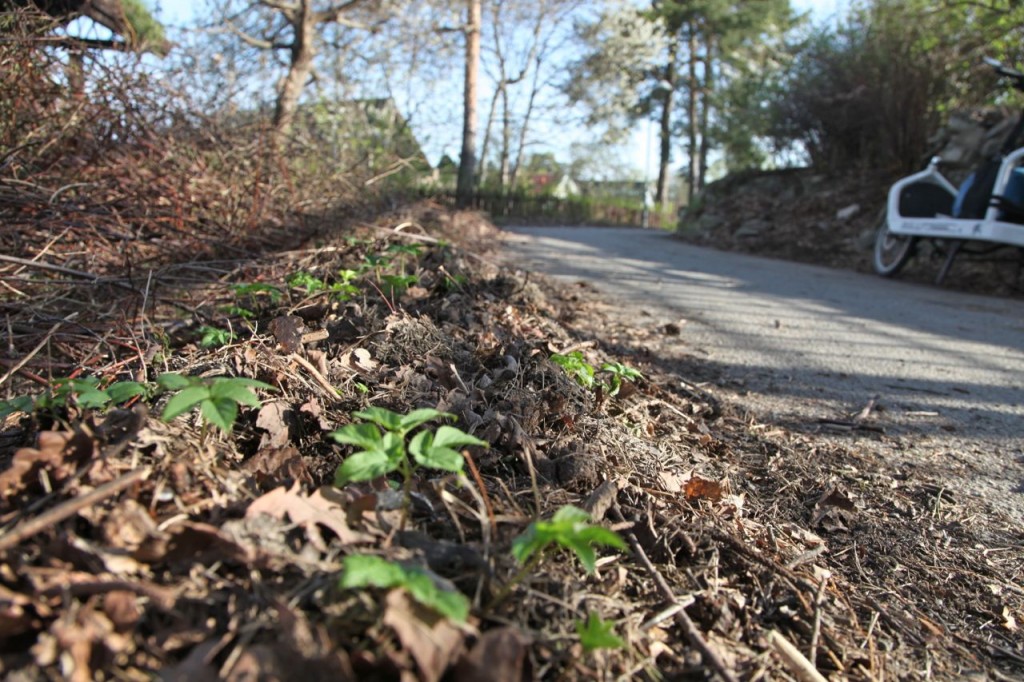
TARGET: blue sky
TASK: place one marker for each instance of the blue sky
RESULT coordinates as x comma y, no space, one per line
640,150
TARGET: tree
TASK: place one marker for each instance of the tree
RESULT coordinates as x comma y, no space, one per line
628,72
525,38
293,27
869,93
709,36
468,160
129,19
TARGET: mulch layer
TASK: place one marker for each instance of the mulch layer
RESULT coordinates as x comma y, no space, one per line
134,547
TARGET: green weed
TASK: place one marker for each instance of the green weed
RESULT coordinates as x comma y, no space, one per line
384,452
217,398
84,393
370,571
595,633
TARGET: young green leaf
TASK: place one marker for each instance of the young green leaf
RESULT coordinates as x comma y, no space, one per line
436,451
215,337
92,398
306,281
21,403
184,400
366,436
422,416
123,391
380,455
570,528
371,571
258,288
221,412
236,389
172,381
596,633
576,366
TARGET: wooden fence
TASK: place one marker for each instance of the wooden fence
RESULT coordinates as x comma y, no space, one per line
548,210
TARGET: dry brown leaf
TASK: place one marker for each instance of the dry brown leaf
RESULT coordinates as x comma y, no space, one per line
316,509
359,360
273,418
59,454
122,608
288,330
128,526
199,542
499,655
698,488
673,483
313,408
431,639
276,466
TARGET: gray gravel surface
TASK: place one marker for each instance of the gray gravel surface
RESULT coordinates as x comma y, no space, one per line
811,347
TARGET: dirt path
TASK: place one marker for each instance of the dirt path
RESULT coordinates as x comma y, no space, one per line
812,347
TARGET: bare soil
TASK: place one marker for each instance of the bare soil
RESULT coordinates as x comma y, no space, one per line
134,547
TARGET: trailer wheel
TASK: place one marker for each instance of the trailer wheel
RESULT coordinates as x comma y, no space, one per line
892,251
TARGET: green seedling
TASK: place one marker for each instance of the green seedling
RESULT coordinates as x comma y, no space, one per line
21,403
596,633
239,311
217,398
403,252
384,452
569,528
305,280
576,367
619,373
396,285
257,289
215,337
374,263
85,393
453,282
413,250
360,570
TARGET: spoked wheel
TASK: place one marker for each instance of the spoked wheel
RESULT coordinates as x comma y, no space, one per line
892,251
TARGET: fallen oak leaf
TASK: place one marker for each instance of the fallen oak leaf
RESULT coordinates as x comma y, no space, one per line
308,512
499,655
433,640
275,466
273,418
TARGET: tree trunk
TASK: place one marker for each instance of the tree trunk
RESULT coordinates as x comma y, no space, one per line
467,161
665,156
481,174
521,147
693,92
705,112
303,49
506,141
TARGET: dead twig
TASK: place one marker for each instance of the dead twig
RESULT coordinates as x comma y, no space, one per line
320,378
69,508
32,353
24,262
797,663
690,628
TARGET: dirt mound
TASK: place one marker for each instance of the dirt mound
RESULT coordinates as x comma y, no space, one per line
800,215
312,512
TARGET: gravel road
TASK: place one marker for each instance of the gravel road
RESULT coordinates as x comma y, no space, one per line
810,347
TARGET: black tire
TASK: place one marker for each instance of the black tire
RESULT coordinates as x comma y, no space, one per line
892,251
